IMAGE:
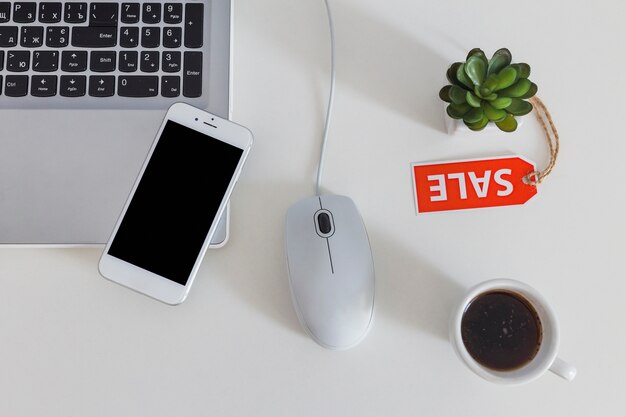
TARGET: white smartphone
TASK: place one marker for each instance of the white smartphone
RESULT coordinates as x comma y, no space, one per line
176,202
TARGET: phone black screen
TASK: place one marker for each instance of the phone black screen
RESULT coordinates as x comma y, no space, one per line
174,205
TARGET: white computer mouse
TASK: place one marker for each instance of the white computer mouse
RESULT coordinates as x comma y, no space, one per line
331,271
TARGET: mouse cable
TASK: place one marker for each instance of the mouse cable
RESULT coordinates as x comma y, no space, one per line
331,99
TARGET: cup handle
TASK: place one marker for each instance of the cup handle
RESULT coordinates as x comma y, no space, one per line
563,369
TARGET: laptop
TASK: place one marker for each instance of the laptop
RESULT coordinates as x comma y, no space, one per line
84,87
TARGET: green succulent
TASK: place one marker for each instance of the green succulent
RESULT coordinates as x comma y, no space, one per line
483,91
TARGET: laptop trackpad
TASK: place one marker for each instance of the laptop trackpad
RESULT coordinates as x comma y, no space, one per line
65,175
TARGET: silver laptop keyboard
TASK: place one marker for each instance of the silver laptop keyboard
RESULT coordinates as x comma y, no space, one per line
101,54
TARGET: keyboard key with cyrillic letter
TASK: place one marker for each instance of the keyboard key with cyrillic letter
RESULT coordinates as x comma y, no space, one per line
8,36
50,12
24,12
57,36
75,12
5,12
18,61
32,36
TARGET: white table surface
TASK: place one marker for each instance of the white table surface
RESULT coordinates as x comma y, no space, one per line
74,344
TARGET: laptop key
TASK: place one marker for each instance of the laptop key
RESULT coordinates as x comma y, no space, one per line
74,61
194,15
43,85
50,12
151,13
1,61
129,37
149,61
102,61
75,12
170,86
45,61
1,84
32,36
18,61
94,37
101,86
103,14
128,61
5,12
130,13
24,12
73,85
173,13
8,36
137,85
192,74
16,85
171,37
57,36
150,37
171,61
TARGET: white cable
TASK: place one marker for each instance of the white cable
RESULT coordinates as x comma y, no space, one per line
331,99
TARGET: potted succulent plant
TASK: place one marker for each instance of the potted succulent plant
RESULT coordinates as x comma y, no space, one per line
485,91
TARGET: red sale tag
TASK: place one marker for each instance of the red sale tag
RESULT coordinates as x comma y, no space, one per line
460,185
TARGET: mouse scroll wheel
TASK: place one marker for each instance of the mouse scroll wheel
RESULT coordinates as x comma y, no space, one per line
323,220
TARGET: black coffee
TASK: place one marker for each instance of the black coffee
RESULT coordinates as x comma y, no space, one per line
501,330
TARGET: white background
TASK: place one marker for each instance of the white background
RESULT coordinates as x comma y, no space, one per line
74,344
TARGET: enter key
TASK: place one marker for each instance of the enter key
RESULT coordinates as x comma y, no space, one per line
192,74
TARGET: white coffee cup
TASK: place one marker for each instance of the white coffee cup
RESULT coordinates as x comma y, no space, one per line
544,360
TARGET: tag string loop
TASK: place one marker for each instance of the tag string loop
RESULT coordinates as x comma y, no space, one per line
552,135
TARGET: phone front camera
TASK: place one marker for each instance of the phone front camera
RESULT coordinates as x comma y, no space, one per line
196,119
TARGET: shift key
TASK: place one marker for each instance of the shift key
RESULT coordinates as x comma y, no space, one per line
94,37
192,74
